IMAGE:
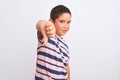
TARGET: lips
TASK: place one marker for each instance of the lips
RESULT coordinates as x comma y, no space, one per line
64,31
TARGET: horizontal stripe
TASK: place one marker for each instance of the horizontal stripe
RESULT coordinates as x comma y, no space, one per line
65,54
51,70
39,74
52,41
47,73
51,63
49,45
50,56
42,73
38,78
50,60
51,66
46,47
50,51
61,50
59,79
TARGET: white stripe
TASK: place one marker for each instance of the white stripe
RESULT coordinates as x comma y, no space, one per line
51,52
51,74
50,60
43,76
51,66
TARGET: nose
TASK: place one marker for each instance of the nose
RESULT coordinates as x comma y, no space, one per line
66,25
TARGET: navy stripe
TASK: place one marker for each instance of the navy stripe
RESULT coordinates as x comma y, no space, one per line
51,70
48,76
54,50
49,48
40,47
42,73
59,79
52,42
50,63
65,54
62,42
50,56
64,49
38,78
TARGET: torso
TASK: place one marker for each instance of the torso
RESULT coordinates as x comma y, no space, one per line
52,60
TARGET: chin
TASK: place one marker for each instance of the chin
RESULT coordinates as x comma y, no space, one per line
60,35
63,35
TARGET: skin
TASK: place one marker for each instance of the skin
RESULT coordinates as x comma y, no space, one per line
62,24
47,30
58,27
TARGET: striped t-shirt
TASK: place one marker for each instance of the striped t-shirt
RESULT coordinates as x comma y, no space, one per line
52,59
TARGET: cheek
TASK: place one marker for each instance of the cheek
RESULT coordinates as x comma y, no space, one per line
58,27
68,27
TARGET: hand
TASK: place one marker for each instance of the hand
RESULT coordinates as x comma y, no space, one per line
47,30
68,71
50,29
68,78
41,27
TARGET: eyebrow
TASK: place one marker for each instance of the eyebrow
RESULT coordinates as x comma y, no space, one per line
69,21
65,20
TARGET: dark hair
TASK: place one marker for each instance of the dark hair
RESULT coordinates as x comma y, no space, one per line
58,10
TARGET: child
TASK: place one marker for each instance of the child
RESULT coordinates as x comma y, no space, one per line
52,52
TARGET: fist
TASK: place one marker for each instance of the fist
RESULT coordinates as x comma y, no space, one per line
50,29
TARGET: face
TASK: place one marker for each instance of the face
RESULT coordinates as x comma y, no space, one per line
62,24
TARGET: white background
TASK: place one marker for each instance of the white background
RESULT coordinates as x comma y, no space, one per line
94,38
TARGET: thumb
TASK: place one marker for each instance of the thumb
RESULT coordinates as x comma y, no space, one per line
41,27
45,39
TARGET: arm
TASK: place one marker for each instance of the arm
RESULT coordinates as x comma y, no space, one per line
68,71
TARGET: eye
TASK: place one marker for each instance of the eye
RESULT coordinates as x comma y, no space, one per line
69,22
62,21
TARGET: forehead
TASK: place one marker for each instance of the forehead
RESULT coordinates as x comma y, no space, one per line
64,16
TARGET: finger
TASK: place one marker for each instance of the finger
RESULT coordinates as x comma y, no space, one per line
49,28
45,38
51,34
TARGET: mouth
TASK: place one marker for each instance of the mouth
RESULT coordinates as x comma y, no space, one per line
64,31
